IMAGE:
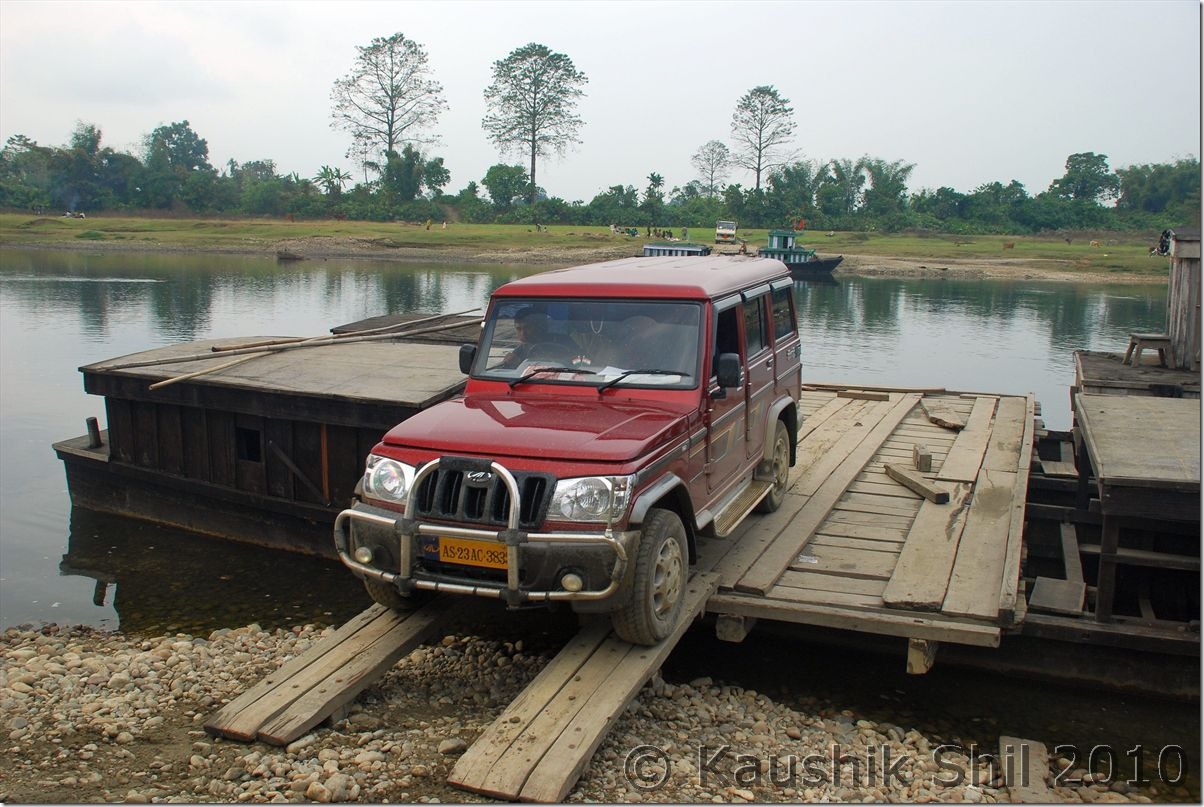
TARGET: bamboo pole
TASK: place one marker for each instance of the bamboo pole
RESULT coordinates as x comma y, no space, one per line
383,328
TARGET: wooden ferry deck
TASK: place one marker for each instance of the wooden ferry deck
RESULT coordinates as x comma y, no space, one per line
854,548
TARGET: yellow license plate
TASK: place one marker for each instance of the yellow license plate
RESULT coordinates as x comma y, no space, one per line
468,552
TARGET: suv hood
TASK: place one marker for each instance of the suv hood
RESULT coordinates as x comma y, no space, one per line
579,429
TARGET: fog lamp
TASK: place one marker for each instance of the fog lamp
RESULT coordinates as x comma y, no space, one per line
362,555
571,582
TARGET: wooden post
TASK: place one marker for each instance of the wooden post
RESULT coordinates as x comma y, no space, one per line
94,440
921,655
1183,301
921,457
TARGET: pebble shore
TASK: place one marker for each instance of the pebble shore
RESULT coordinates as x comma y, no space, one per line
95,716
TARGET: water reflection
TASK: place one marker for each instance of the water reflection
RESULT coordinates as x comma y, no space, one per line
59,311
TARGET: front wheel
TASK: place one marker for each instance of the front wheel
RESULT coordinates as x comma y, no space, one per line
780,460
659,585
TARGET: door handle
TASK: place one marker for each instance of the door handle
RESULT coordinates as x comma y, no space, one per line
769,363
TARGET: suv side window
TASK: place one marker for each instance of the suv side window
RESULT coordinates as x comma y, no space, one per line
783,314
727,334
755,338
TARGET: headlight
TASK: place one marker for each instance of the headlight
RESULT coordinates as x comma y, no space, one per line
590,498
387,479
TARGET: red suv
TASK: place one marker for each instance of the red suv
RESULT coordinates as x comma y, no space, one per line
613,412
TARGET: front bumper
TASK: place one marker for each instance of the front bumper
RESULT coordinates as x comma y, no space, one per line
534,560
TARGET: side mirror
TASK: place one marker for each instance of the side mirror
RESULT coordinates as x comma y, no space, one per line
468,354
728,370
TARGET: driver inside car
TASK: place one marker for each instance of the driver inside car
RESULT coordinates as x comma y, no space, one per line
534,340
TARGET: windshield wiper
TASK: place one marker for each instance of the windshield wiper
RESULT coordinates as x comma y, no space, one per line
626,373
532,373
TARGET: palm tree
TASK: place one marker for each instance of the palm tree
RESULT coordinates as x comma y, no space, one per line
888,184
332,180
847,178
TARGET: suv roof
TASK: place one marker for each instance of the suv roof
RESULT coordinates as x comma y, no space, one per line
687,277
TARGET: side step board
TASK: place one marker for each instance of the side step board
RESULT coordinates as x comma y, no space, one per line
538,746
741,506
314,685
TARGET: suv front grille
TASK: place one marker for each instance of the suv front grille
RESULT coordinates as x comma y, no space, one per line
458,494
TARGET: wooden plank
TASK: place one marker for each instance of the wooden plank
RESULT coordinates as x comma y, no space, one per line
912,480
362,664
879,543
891,490
171,439
1072,562
943,416
754,537
1025,765
921,576
884,622
818,581
965,456
804,596
820,416
240,720
862,531
863,395
866,503
863,563
974,584
1007,432
1058,596
220,431
1011,600
560,768
474,765
781,554
894,521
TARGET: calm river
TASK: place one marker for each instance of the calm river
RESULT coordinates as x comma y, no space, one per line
61,310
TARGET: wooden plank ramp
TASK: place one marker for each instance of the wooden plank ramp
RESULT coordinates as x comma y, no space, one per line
538,746
316,684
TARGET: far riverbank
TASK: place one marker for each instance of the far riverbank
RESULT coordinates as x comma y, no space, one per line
1070,257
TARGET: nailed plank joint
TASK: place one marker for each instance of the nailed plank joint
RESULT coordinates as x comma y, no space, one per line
912,480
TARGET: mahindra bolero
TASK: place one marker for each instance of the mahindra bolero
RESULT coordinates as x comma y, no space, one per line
613,414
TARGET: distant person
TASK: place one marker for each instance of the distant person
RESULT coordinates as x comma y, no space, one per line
535,341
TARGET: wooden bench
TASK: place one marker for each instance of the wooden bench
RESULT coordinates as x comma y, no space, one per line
1152,341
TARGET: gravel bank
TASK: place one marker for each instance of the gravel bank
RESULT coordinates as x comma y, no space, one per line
94,716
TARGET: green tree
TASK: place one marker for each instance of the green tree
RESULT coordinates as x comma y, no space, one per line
388,98
505,184
532,103
172,152
1172,188
654,199
761,126
792,189
435,176
841,187
712,161
1087,178
886,197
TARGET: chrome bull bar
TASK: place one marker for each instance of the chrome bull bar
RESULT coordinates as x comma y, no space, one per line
408,529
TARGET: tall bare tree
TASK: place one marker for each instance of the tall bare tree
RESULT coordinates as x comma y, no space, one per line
712,161
387,98
532,103
761,125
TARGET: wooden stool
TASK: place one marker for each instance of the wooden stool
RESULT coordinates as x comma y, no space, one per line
1153,341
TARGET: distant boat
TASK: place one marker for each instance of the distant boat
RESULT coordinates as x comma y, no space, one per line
802,262
675,249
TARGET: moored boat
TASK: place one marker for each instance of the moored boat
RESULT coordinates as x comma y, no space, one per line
802,262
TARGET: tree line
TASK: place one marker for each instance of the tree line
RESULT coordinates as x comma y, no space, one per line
389,103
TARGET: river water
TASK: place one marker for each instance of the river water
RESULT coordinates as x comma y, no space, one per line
62,310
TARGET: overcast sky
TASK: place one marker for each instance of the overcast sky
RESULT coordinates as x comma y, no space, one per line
970,92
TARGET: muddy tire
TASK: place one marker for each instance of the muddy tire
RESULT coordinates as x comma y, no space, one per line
779,457
659,585
387,595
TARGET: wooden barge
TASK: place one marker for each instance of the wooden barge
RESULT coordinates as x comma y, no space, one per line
266,452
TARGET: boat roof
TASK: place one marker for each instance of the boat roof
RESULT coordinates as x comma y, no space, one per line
682,277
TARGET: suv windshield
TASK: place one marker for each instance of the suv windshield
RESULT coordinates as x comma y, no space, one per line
591,342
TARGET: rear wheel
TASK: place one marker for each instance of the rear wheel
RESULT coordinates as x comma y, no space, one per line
780,461
386,594
659,585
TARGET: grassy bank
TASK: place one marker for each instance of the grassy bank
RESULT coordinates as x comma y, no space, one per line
1103,256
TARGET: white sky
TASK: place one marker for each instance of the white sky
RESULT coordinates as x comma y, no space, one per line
971,92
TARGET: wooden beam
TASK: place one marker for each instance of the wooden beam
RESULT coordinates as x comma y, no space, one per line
921,576
912,480
921,654
965,455
733,627
921,457
974,584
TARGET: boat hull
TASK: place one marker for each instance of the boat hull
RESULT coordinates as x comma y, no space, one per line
816,267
